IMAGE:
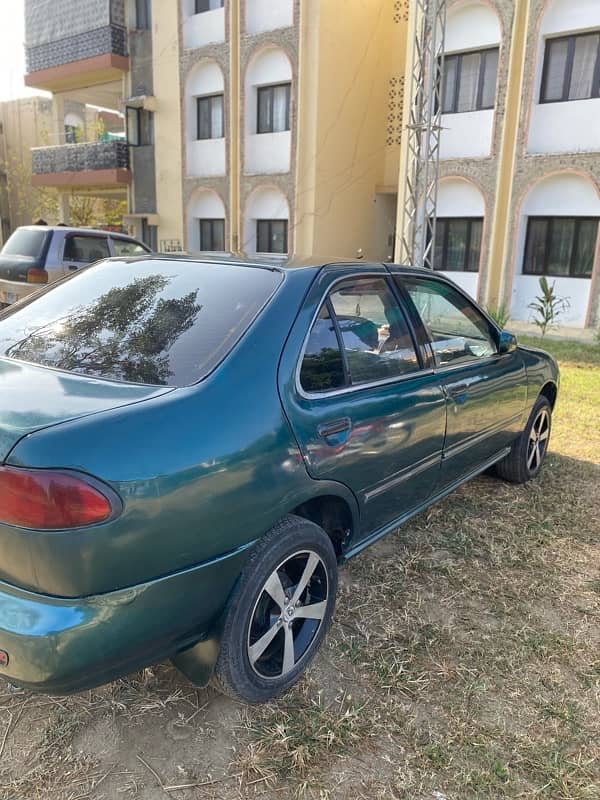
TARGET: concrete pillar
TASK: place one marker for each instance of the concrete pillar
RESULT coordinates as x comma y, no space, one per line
64,208
58,120
235,129
500,244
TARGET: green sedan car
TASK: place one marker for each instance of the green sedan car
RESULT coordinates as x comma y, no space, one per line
190,448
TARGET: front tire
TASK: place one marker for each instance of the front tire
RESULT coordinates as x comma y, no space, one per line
527,454
280,612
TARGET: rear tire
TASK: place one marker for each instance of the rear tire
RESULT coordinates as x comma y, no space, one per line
527,454
280,612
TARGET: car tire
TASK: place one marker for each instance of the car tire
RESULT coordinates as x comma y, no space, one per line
279,613
527,454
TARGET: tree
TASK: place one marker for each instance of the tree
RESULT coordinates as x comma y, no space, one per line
113,212
82,211
27,202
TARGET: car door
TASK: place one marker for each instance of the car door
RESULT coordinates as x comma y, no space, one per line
486,391
81,249
364,411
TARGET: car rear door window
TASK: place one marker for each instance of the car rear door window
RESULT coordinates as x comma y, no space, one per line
322,367
360,336
166,323
458,332
376,338
85,249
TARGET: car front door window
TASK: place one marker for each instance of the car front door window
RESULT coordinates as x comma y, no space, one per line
459,334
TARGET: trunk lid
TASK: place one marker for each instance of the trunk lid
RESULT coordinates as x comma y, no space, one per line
14,268
25,248
34,397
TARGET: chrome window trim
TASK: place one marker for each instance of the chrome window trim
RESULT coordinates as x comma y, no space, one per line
385,276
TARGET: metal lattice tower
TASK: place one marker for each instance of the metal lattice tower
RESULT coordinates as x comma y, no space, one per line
420,155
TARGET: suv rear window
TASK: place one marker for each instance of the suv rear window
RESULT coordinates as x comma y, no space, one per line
166,323
26,242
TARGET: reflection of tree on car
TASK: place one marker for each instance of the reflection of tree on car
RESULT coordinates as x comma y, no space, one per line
126,332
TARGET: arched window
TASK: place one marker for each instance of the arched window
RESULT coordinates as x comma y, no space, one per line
568,71
74,128
472,54
206,222
459,232
268,106
266,222
557,238
205,120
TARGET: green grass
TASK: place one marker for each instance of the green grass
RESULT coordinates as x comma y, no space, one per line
577,418
578,354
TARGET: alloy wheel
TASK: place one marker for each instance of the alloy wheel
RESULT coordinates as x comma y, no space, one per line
538,440
288,614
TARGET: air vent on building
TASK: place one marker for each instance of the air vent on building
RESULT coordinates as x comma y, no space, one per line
395,109
170,246
401,8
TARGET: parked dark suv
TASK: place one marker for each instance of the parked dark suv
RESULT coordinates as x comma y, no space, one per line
39,254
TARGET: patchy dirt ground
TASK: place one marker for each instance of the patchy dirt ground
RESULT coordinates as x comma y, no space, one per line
464,662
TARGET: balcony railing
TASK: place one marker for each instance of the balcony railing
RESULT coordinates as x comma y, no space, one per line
101,163
90,36
109,40
88,156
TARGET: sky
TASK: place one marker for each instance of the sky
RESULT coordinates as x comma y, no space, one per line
12,55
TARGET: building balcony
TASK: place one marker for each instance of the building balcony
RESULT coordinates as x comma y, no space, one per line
89,164
72,45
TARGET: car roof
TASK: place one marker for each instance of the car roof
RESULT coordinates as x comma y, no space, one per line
293,262
68,229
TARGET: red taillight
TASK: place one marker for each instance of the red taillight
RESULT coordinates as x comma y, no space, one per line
36,275
49,500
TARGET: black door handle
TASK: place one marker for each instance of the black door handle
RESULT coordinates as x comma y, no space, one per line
72,267
334,427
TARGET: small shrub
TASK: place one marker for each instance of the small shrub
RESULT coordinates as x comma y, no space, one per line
547,306
500,314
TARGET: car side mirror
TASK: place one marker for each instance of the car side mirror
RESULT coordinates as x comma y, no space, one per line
507,342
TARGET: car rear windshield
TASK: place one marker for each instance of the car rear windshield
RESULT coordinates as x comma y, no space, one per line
26,242
165,323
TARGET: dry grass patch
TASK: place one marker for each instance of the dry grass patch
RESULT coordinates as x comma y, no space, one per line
463,664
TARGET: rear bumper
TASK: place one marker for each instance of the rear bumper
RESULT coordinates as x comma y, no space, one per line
64,645
12,291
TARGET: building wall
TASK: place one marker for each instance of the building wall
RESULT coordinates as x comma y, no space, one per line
348,125
530,142
168,122
333,175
